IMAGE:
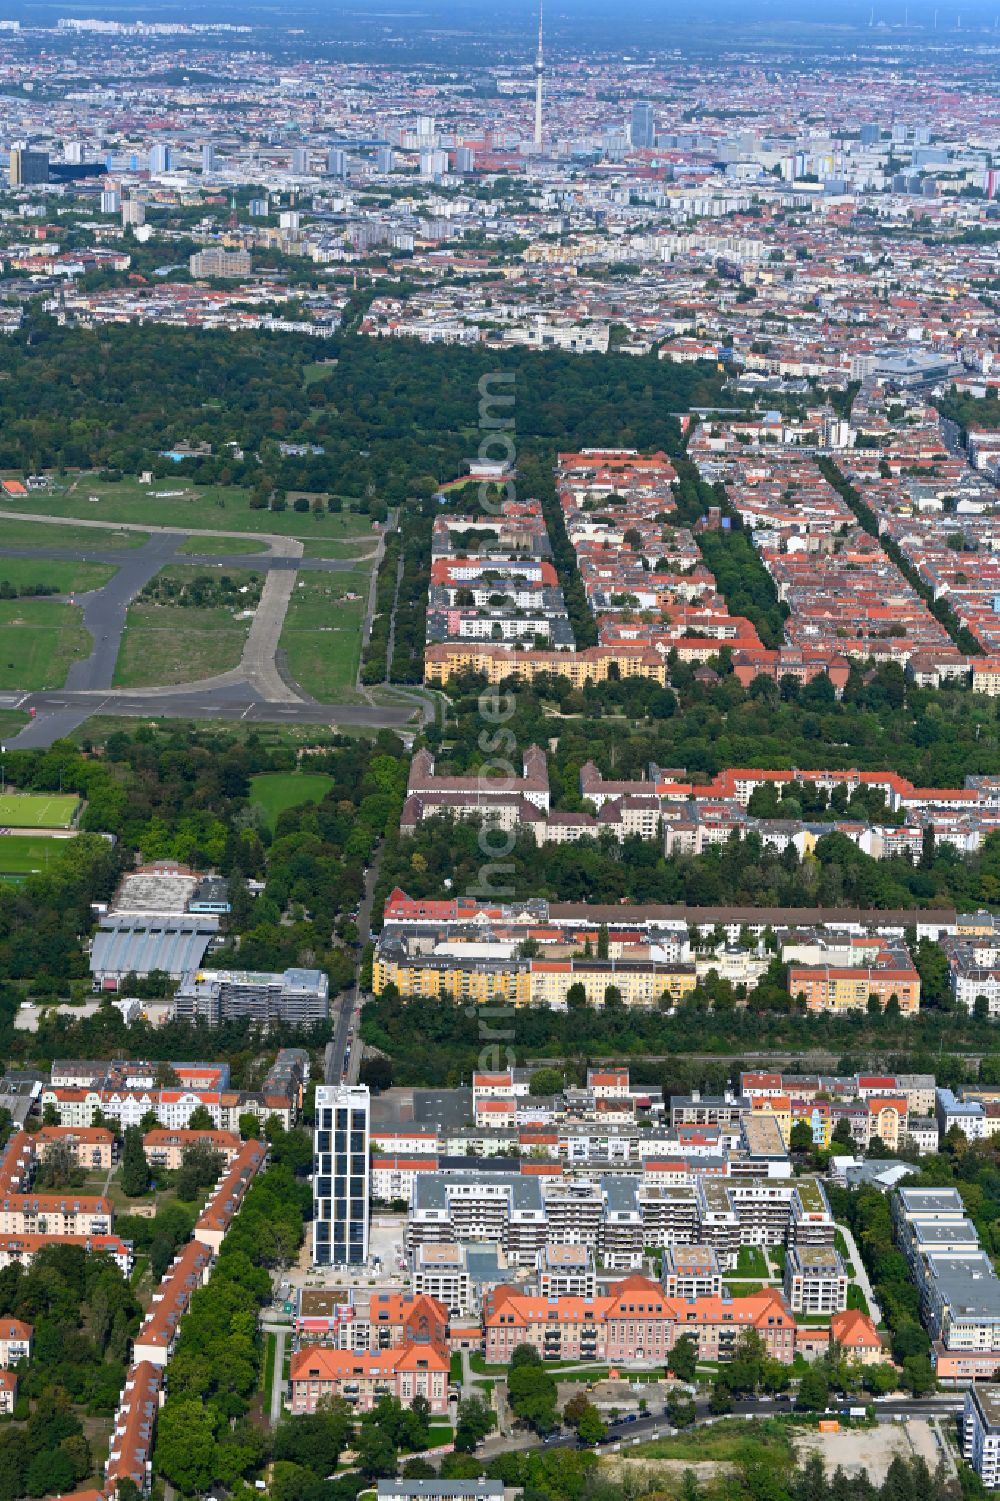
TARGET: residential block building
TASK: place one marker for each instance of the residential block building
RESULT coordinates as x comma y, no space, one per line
318,1374
815,1281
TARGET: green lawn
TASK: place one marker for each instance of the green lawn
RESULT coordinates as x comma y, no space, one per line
267,1371
455,1369
277,790
177,644
11,721
730,1441
39,641
209,546
744,1289
321,637
350,548
21,855
15,533
317,371
174,643
841,1245
477,1363
175,501
857,1299
96,730
38,810
66,578
751,1262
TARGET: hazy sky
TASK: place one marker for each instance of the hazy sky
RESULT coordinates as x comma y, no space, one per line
440,27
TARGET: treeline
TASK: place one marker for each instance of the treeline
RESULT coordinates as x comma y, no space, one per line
84,1315
939,608
436,1043
970,411
740,872
934,737
407,665
393,418
42,916
204,591
133,391
204,1433
760,1466
743,581
867,1213
375,658
535,481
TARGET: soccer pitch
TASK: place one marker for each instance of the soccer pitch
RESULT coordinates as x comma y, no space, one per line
37,810
25,854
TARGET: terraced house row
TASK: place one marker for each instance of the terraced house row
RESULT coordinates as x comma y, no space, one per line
30,1221
642,572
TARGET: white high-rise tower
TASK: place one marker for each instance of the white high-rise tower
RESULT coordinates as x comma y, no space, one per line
539,73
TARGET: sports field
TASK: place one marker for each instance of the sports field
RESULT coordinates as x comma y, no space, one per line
22,855
275,791
37,810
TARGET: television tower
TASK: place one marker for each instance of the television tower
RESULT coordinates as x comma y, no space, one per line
539,74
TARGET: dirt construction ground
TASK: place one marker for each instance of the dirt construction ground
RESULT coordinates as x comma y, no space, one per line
872,1449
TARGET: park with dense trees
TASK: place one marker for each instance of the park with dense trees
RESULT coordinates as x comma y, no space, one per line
187,795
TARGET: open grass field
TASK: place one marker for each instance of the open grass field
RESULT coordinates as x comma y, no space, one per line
318,370
221,546
39,641
177,644
353,548
322,633
64,577
11,721
275,791
730,1440
15,533
751,1262
20,855
95,731
178,502
37,810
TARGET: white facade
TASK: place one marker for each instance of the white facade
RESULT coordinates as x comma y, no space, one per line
815,1280
981,1433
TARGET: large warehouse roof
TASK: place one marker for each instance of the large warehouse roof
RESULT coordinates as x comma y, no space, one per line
134,944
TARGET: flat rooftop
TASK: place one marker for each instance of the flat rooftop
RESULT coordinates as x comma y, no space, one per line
161,892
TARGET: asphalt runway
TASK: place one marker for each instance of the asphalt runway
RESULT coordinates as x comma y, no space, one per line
254,691
104,609
263,562
60,712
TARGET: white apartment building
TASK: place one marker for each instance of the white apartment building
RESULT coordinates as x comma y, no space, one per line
815,1280
440,1270
691,1272
981,1433
566,1272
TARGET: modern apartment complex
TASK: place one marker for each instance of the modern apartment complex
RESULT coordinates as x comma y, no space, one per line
300,997
959,1288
